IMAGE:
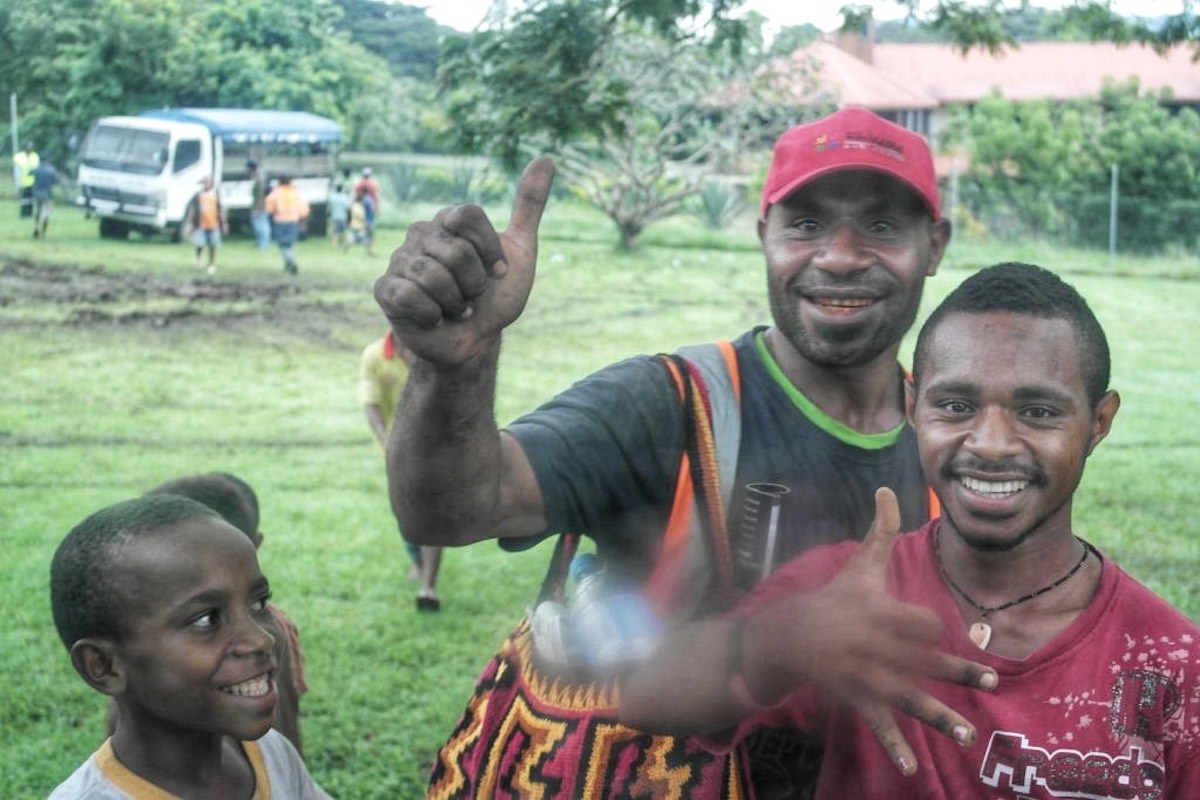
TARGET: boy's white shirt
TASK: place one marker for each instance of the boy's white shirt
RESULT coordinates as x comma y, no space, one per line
287,777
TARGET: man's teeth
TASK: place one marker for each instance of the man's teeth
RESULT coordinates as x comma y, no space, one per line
255,687
844,303
993,488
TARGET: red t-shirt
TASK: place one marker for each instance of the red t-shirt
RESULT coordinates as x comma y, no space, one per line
1110,708
368,185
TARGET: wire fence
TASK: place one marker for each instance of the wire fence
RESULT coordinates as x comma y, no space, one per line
1111,222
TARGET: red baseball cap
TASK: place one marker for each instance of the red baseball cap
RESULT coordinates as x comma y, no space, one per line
852,138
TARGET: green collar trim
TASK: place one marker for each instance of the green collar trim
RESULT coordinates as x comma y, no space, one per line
835,428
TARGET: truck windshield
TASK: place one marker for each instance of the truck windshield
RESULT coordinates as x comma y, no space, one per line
126,150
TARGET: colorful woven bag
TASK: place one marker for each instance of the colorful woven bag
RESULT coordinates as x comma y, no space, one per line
526,734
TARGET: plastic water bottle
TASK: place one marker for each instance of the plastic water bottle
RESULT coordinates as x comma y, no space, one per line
611,624
550,625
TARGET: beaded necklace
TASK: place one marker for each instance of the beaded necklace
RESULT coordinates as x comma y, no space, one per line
981,632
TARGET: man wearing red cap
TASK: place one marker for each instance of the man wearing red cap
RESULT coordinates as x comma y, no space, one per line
850,228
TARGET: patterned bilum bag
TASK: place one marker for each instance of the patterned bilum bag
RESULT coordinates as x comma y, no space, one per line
528,734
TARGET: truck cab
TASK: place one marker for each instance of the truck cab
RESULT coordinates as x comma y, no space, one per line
139,173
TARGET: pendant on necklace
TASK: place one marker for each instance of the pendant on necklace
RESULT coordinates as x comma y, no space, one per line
981,634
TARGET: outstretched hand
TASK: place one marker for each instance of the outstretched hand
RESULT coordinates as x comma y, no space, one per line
457,282
870,652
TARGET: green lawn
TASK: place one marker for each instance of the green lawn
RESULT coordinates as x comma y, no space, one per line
103,397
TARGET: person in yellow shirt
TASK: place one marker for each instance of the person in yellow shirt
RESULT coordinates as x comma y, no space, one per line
24,163
383,372
288,210
356,230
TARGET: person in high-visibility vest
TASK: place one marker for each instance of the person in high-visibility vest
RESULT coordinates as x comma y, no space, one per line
24,163
206,220
288,209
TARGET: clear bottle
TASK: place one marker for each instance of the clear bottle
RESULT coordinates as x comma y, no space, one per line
550,625
611,624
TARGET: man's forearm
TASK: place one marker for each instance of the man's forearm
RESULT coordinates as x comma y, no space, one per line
444,454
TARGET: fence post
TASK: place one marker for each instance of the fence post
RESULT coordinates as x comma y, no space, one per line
12,114
1112,214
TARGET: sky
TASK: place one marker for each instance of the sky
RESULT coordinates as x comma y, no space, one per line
466,14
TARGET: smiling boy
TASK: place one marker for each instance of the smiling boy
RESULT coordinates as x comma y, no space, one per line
163,607
1095,693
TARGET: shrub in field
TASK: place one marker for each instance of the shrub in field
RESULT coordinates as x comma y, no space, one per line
405,182
457,182
470,183
718,204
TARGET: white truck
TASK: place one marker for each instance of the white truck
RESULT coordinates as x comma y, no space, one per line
138,173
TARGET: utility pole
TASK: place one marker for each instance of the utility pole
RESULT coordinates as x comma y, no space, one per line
1113,202
12,115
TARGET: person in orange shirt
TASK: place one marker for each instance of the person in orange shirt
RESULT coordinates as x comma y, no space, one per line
288,210
206,219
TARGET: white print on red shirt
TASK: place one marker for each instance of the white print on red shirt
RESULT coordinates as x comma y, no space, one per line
1012,763
1143,706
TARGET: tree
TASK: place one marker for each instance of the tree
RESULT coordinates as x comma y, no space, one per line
71,61
639,117
540,71
1020,152
992,25
1046,167
547,72
404,36
668,140
64,70
1157,153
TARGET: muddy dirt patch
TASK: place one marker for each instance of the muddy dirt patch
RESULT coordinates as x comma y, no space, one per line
44,293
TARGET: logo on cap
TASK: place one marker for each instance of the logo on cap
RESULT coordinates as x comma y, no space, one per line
861,141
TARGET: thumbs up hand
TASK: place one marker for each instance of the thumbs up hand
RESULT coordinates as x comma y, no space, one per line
457,282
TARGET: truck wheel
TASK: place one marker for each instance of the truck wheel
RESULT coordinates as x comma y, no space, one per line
113,229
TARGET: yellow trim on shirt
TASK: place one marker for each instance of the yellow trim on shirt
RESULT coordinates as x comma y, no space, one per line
136,786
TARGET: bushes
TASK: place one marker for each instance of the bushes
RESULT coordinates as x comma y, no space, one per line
1044,169
718,204
1145,225
443,181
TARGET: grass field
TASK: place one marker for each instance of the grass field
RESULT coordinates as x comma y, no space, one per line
128,369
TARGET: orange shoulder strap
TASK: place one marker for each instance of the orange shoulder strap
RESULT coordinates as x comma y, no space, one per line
660,587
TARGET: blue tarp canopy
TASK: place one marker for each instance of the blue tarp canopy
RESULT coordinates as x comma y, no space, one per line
254,125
